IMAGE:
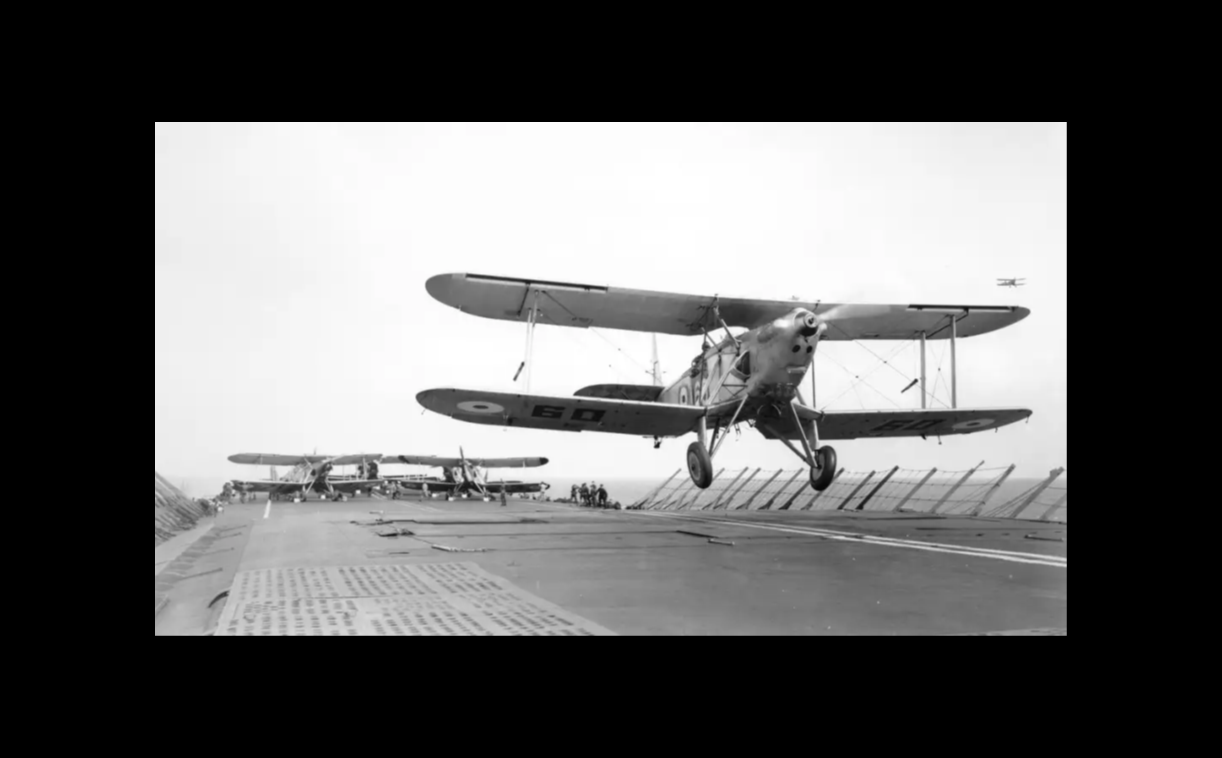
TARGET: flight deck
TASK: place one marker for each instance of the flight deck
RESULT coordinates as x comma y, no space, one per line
371,567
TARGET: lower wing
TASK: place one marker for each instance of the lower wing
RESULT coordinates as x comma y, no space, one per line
566,414
851,425
417,485
350,487
437,462
279,487
516,488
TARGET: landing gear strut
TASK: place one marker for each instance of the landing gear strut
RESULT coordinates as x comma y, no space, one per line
822,461
699,459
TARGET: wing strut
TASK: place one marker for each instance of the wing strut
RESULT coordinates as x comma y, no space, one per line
954,362
529,363
924,368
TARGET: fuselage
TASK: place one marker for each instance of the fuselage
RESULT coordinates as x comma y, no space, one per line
775,359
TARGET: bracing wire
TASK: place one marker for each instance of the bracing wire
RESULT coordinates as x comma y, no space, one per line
861,379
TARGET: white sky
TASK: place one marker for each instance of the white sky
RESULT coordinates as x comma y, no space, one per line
291,314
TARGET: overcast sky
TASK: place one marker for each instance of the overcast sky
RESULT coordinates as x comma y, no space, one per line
291,314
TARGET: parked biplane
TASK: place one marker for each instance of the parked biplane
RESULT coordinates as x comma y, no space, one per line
1011,282
312,474
463,476
751,378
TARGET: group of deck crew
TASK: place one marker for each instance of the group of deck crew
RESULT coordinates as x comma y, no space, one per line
591,496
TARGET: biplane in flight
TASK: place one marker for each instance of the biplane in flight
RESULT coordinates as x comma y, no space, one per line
1011,282
463,476
311,474
751,378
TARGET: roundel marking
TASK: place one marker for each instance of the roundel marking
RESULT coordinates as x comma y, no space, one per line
480,406
683,395
979,423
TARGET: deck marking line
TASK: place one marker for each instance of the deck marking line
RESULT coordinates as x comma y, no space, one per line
1027,558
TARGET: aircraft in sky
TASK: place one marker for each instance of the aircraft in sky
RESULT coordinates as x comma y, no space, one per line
311,474
751,378
1011,282
463,476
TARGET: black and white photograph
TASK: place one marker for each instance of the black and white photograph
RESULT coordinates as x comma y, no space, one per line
611,379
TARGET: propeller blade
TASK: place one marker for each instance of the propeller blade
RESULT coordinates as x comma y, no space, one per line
850,311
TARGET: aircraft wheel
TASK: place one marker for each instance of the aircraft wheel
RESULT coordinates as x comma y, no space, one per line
700,465
821,478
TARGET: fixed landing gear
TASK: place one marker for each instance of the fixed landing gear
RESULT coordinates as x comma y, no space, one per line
699,459
822,476
700,465
823,461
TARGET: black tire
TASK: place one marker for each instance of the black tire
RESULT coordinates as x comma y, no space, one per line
700,465
822,478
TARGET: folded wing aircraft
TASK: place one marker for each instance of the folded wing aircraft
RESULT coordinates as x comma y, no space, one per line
752,378
311,474
464,475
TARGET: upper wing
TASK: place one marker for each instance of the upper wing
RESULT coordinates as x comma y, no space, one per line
426,460
256,459
356,460
851,425
584,306
508,462
567,414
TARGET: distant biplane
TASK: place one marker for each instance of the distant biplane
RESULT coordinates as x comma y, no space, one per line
311,474
1011,282
463,476
751,378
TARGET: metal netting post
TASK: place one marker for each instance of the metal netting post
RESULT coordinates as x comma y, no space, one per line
647,500
747,505
955,489
860,487
686,505
739,491
818,495
1056,474
676,497
992,491
768,506
1054,510
681,496
877,489
915,489
714,505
